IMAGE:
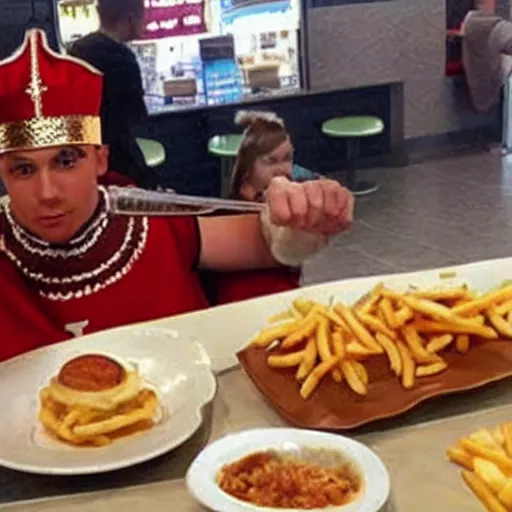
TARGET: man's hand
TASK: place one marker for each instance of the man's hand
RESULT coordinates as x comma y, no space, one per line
319,206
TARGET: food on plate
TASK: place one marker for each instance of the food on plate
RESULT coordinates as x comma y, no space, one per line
94,400
411,329
486,459
271,479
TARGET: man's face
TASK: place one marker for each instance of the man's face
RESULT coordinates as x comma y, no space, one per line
53,192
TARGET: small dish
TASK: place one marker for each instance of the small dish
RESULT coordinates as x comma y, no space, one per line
202,474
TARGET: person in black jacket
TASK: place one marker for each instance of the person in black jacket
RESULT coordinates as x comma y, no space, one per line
123,105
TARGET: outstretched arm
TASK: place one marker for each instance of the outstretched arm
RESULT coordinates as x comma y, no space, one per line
300,219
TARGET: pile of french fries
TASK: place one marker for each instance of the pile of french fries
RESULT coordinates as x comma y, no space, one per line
486,459
80,425
411,329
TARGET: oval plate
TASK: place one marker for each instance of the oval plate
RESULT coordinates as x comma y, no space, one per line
202,473
178,369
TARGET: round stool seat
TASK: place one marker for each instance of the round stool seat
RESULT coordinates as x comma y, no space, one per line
153,152
353,126
225,145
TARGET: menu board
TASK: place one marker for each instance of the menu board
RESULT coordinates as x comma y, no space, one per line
168,18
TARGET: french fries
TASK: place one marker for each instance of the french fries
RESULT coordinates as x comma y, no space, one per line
487,466
453,294
362,334
408,365
324,346
462,343
483,492
438,343
80,425
485,302
460,457
499,323
267,336
308,361
411,330
353,377
415,344
286,360
395,361
316,376
507,435
431,369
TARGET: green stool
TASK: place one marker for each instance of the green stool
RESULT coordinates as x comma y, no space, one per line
226,147
352,128
153,152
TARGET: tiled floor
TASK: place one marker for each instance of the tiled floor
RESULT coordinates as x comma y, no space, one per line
427,215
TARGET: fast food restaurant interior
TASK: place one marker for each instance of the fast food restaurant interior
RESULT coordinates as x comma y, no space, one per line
407,104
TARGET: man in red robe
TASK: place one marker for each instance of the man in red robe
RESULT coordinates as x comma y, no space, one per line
68,266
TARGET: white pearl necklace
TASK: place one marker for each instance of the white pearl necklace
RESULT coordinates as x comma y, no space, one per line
80,284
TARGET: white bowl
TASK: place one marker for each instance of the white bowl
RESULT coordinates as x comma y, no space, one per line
201,476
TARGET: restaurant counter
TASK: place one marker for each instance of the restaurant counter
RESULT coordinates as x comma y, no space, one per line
412,444
185,132
412,447
248,100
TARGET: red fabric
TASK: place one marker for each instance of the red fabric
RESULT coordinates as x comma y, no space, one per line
117,179
70,87
228,287
24,325
454,68
161,283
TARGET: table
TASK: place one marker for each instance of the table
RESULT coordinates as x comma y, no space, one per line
411,445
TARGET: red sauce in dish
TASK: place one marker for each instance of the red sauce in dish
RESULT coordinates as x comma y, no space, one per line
269,480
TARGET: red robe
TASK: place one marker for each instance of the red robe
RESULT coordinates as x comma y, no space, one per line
161,282
227,287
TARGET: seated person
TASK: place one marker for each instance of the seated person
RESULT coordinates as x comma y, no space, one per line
68,265
265,152
123,106
486,51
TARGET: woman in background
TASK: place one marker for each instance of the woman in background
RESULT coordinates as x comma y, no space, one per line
266,151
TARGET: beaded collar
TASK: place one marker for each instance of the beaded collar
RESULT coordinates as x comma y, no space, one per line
97,257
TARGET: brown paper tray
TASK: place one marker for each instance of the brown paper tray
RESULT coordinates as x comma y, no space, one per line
333,406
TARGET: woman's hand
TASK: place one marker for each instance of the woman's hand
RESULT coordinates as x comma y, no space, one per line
318,206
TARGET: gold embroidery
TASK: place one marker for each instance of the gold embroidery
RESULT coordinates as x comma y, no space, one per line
36,88
40,132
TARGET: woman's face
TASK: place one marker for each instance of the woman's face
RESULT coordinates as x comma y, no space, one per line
278,162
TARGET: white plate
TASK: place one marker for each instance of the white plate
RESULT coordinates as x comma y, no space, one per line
178,369
202,473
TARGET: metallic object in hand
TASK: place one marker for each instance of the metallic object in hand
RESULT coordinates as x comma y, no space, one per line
136,201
